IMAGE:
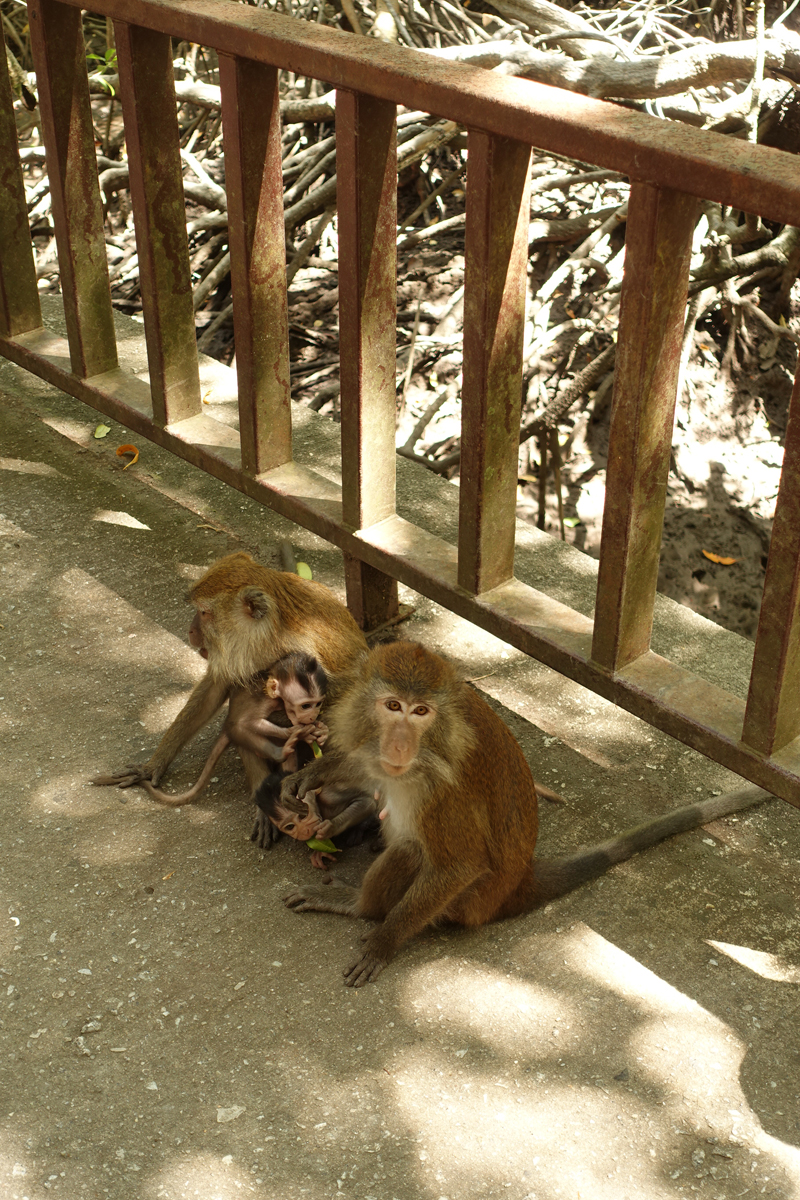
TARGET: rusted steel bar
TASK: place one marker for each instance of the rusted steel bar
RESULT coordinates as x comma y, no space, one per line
366,170
658,247
496,254
253,180
147,89
371,595
19,296
756,179
59,56
772,718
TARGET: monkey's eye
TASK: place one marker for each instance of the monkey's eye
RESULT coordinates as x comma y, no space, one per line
394,705
288,827
421,710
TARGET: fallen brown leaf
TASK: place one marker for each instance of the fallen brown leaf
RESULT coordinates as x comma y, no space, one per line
128,450
717,558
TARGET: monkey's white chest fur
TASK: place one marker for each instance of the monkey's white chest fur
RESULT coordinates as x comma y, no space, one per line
399,798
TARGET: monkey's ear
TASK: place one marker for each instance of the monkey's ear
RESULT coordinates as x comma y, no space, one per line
257,604
272,688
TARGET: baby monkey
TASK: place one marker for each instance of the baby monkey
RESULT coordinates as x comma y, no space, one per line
335,811
276,718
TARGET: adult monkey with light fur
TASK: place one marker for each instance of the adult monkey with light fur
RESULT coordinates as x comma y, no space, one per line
247,617
459,804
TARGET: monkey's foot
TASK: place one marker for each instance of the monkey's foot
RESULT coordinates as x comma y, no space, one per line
331,897
133,775
364,970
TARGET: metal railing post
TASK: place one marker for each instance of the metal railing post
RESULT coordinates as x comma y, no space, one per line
147,88
19,296
772,716
496,257
366,170
60,57
658,247
254,184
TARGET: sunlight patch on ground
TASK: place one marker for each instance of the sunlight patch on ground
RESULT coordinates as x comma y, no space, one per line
110,517
76,431
597,729
768,966
159,715
191,572
514,1063
23,466
501,1131
120,632
592,500
69,795
10,530
512,1015
693,1059
591,955
207,1176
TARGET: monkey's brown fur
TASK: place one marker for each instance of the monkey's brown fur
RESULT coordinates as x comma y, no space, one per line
462,822
258,722
247,617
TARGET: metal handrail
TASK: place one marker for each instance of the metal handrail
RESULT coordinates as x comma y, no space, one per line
671,168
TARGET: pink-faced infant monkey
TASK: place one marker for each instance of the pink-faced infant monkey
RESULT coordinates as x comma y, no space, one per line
337,814
275,717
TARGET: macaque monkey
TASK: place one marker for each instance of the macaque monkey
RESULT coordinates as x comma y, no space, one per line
271,718
460,809
336,810
247,617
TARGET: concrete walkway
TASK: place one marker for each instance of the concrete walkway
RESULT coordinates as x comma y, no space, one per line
168,1029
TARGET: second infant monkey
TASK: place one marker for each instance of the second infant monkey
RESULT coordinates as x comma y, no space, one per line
336,810
272,718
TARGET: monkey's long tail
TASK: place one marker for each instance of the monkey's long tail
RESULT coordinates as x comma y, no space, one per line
557,876
220,746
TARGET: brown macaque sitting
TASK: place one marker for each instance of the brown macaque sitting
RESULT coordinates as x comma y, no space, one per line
248,616
460,808
273,718
337,812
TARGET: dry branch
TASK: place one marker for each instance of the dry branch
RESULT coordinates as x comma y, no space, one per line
649,55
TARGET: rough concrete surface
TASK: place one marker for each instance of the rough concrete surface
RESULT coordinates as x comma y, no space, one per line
169,1029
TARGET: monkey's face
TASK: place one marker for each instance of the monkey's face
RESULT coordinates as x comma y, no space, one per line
291,823
302,707
233,631
196,631
402,723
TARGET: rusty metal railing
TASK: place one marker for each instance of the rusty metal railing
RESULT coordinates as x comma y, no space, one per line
670,167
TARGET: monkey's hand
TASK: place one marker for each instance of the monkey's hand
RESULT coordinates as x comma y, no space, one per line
264,832
323,829
318,859
132,776
295,786
317,732
365,969
296,734
379,949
